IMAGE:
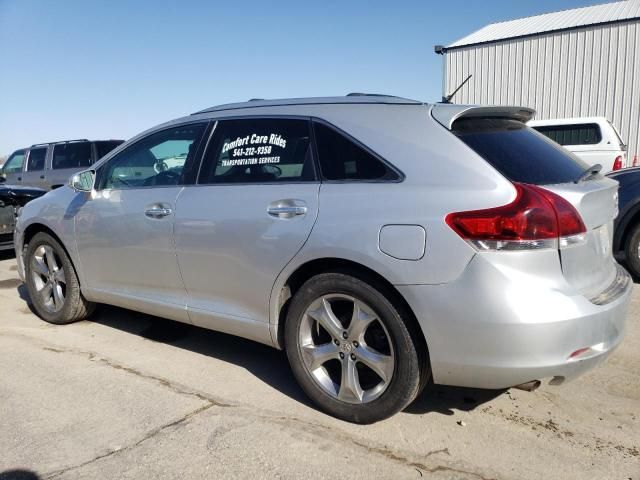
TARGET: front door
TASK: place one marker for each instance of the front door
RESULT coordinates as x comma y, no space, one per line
12,168
125,231
253,208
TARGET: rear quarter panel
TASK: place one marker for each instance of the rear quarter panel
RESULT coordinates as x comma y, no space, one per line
441,175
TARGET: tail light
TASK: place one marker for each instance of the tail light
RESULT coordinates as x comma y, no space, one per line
537,218
617,163
635,161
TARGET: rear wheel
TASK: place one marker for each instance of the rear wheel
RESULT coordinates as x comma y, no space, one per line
52,282
632,251
350,349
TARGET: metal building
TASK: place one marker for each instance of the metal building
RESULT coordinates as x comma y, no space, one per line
574,63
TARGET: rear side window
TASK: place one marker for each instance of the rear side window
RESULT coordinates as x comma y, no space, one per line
518,152
581,134
36,159
259,151
343,159
71,155
104,147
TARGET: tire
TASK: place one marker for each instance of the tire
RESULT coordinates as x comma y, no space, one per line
376,350
49,269
632,251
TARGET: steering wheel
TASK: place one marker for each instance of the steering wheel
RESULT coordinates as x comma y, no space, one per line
272,170
166,177
160,167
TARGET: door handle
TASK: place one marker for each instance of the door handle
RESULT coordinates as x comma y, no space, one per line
42,177
287,211
19,179
158,212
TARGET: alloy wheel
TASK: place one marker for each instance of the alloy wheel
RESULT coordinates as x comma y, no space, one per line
48,278
346,348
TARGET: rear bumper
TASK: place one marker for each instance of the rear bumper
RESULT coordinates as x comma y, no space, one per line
494,329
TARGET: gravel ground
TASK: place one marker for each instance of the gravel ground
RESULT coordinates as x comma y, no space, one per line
125,395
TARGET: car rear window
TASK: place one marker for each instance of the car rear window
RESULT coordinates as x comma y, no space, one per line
581,134
71,155
518,152
104,147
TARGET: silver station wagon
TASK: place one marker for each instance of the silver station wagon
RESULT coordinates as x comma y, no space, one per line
382,242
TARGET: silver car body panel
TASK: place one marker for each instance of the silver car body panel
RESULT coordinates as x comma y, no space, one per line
490,319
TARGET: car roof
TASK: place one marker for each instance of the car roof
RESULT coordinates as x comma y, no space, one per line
351,98
567,121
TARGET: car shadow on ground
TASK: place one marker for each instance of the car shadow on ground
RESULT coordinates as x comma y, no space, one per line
268,364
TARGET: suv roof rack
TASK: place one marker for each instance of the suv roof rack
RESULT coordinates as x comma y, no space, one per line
361,94
59,141
352,98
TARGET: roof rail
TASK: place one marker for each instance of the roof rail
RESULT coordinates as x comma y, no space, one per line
360,94
255,99
59,141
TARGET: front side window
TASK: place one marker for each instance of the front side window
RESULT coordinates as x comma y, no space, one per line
581,134
156,160
259,151
71,155
36,159
14,163
343,159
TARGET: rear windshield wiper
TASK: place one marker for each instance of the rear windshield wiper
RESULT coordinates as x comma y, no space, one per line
589,172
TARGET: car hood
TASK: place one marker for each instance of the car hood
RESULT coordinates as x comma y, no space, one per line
19,196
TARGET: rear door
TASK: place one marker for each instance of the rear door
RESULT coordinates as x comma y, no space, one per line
252,210
523,155
34,173
67,159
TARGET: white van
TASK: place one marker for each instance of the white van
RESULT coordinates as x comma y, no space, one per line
593,139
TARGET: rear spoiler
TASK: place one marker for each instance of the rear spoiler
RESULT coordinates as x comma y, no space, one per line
446,115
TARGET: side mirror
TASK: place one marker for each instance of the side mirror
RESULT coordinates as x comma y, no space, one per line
83,181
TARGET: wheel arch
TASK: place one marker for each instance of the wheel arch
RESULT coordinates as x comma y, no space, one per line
317,266
33,229
631,218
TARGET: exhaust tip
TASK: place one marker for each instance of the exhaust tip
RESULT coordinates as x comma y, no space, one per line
529,386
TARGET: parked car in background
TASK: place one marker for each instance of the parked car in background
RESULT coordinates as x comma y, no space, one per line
49,165
10,171
593,139
11,199
626,240
381,241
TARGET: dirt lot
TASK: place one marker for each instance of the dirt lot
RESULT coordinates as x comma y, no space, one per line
126,395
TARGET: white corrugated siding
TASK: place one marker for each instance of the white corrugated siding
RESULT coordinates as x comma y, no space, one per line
547,22
592,71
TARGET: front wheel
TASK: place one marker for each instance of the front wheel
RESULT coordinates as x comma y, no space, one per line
632,251
350,349
52,282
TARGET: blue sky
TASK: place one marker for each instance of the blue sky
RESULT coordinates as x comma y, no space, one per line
110,69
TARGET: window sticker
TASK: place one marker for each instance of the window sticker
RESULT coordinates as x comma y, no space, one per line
253,149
